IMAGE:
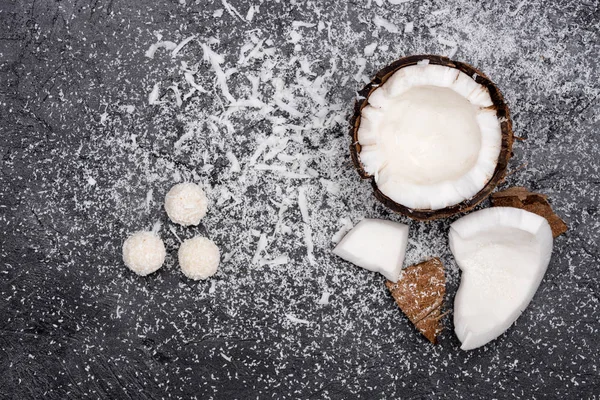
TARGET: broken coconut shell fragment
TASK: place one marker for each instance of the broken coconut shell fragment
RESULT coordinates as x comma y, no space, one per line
433,135
537,203
420,294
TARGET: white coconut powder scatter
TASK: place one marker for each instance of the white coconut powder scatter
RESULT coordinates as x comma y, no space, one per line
255,126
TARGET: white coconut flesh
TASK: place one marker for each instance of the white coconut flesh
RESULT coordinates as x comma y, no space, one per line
503,253
429,137
376,245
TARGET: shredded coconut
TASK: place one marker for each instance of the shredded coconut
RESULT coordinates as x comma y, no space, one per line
250,13
181,45
260,247
303,204
216,61
324,300
153,96
235,164
370,49
296,320
167,45
380,22
231,10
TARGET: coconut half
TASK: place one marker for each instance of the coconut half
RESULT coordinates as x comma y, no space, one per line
377,245
503,253
433,134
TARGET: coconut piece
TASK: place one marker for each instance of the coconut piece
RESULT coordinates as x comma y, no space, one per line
536,203
503,253
420,294
377,245
433,135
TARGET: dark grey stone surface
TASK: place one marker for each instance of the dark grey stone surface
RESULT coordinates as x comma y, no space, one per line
85,160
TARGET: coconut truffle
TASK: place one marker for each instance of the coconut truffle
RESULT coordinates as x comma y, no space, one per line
143,252
186,204
199,258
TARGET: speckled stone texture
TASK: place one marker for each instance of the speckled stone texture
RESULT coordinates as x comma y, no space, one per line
85,161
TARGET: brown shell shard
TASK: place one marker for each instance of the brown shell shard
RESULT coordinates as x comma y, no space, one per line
420,293
537,203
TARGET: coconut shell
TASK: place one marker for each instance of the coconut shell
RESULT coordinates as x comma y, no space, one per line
420,294
536,203
502,113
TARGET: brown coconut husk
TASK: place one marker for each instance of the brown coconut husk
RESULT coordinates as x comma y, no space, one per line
536,203
502,113
420,294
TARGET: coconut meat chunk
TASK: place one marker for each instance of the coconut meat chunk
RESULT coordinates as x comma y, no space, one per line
503,253
376,245
429,137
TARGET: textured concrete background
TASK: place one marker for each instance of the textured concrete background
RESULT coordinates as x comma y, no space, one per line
85,160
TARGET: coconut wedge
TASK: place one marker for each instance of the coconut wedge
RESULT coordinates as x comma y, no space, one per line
377,245
503,253
433,134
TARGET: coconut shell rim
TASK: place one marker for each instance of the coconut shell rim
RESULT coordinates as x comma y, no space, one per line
502,113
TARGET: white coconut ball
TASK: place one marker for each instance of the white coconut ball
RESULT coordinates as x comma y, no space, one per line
186,204
144,252
199,258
